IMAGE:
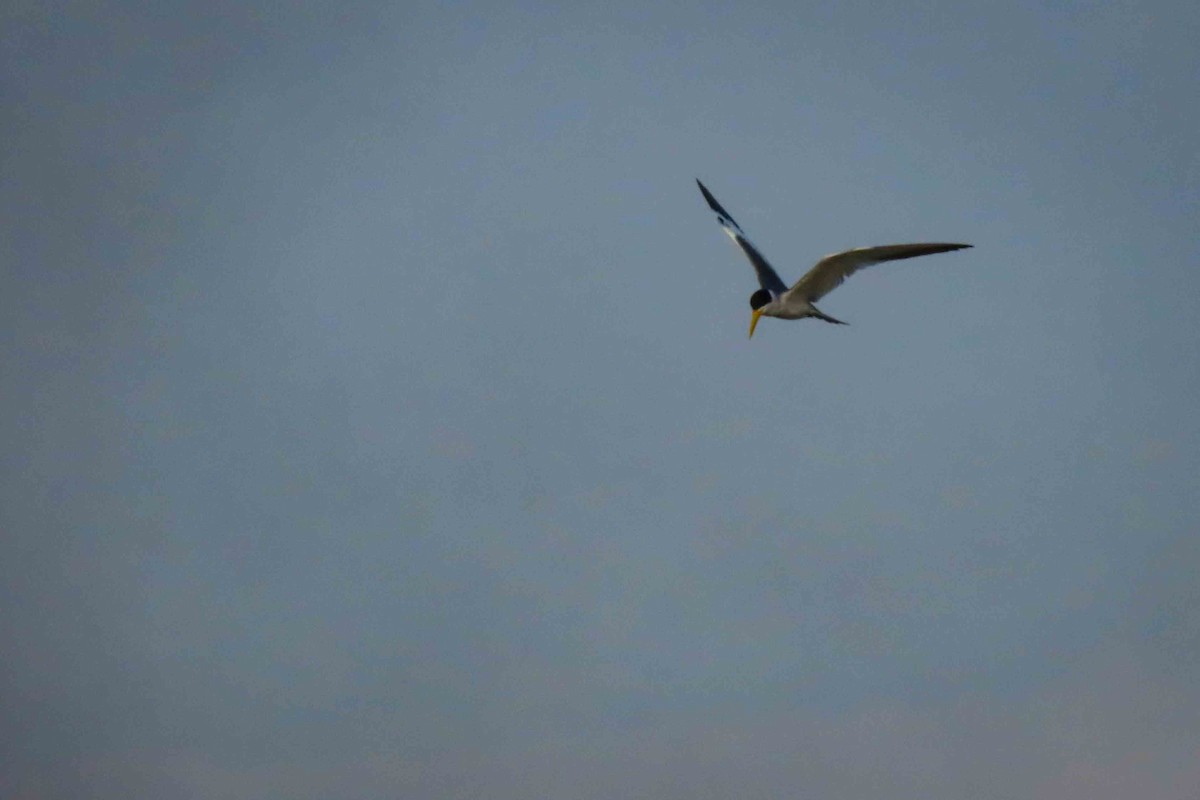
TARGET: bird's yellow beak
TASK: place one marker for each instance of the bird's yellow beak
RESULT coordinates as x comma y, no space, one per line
754,315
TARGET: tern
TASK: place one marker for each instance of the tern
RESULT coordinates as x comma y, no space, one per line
776,300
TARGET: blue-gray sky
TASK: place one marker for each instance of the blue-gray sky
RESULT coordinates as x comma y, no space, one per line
379,418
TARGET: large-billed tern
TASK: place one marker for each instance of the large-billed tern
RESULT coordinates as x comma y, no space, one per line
776,300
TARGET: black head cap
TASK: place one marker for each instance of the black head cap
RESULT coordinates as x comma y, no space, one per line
759,299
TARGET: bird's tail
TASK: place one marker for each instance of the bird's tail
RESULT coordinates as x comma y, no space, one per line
822,315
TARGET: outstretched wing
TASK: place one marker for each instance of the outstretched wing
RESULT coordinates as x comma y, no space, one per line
767,277
830,271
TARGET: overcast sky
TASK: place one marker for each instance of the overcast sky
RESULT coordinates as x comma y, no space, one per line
379,418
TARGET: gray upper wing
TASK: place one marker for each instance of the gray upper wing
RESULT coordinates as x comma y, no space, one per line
830,271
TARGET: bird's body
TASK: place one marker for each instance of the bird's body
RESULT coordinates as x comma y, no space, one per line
775,299
798,308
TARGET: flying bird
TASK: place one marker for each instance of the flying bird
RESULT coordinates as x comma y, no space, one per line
776,300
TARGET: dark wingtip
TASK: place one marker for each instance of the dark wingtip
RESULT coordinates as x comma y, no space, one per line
950,247
713,204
